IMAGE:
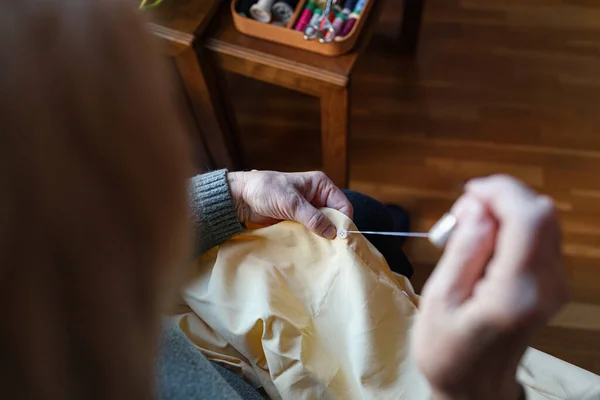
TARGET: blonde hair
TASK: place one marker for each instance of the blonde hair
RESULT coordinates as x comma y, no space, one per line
93,212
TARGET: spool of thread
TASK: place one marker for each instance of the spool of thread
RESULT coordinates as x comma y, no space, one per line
243,7
441,231
338,22
316,15
359,6
353,17
331,16
261,11
348,25
305,16
284,9
349,6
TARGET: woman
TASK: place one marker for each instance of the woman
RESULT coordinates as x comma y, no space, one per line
94,225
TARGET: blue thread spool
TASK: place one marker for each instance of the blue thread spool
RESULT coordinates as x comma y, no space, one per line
283,10
359,6
349,6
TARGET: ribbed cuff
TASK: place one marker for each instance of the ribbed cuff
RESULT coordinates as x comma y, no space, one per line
212,210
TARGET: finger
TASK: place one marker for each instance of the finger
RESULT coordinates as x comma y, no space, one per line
467,253
505,195
503,303
525,220
327,194
313,219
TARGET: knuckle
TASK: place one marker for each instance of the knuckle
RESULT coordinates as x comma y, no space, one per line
294,200
505,180
270,179
543,213
317,221
319,175
505,183
278,178
546,206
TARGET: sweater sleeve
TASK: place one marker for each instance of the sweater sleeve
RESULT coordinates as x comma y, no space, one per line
213,213
184,373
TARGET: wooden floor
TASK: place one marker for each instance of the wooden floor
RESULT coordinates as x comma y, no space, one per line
507,86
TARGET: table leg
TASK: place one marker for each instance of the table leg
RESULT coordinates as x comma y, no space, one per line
202,160
410,29
204,94
334,134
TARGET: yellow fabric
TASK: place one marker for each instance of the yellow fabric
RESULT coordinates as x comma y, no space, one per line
310,318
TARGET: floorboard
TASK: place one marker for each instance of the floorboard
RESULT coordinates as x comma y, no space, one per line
498,86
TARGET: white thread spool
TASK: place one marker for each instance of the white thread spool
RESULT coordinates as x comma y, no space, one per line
440,232
261,11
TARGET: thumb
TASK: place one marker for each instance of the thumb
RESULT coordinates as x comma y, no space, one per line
467,253
314,220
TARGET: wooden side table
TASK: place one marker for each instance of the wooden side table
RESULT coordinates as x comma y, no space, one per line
180,26
201,54
326,78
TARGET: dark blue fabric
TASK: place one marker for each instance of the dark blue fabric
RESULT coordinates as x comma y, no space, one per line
372,215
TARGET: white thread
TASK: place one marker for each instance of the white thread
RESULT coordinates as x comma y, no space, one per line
438,235
406,234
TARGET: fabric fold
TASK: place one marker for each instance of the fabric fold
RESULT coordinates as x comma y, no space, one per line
311,318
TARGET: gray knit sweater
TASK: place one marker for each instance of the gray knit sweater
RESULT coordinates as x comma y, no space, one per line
212,210
182,371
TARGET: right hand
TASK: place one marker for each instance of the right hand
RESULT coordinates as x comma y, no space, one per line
497,284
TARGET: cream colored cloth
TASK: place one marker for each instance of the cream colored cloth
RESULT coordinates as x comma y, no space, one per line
310,318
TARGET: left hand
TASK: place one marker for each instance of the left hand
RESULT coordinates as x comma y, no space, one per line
267,197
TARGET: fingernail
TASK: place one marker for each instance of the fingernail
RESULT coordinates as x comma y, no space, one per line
467,208
330,232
